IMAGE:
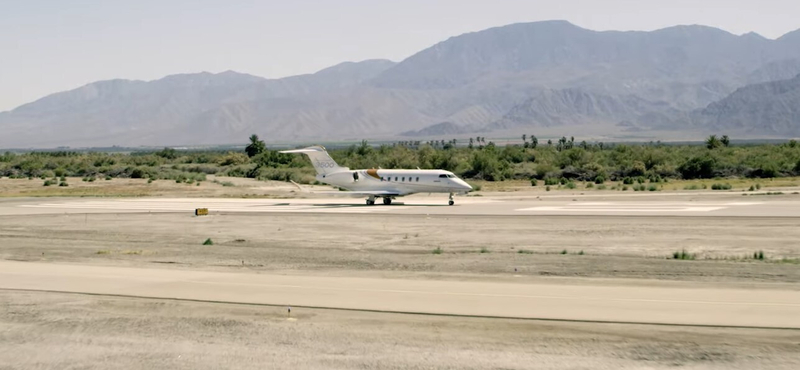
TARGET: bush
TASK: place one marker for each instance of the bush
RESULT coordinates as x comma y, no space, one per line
683,255
758,255
534,182
599,179
589,185
551,181
570,185
49,182
652,188
627,181
208,242
700,167
601,187
438,250
721,186
63,183
547,188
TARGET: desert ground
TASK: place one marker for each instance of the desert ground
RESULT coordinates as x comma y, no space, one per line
742,243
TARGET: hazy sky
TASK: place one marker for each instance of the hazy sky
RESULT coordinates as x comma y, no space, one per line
48,46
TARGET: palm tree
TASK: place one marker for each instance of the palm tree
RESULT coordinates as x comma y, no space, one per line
712,142
255,147
725,140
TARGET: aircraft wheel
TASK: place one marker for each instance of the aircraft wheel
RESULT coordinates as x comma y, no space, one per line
387,201
370,202
451,202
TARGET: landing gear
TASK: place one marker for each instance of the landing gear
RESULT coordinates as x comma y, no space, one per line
387,201
371,201
451,202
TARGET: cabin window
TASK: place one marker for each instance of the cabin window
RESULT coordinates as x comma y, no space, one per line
404,179
395,178
417,179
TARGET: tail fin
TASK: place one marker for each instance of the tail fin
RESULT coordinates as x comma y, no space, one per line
322,162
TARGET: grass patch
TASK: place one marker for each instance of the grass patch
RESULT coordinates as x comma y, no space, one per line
135,253
438,250
104,251
485,250
724,186
683,255
564,251
524,251
208,242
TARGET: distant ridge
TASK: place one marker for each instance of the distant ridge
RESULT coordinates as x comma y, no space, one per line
548,76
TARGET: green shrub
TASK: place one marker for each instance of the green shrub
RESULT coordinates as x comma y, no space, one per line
652,188
589,185
550,181
725,186
570,185
683,255
63,183
599,179
208,242
438,250
49,182
627,181
534,182
758,255
601,187
547,188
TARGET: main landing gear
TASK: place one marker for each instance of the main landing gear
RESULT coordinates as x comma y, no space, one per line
451,202
386,200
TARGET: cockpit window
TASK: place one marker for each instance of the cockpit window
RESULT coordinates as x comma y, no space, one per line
442,176
451,176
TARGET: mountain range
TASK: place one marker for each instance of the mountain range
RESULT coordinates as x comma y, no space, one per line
543,78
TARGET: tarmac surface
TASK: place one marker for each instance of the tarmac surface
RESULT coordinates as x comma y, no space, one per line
677,304
666,204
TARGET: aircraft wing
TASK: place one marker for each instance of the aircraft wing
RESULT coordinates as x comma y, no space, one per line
376,193
359,193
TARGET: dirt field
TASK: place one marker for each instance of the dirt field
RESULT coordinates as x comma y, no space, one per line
400,245
45,331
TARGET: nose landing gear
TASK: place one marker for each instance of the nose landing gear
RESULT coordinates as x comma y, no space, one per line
451,202
371,201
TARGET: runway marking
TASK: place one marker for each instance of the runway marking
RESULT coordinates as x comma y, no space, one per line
189,206
655,207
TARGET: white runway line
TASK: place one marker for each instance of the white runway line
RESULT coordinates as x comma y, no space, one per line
218,206
655,207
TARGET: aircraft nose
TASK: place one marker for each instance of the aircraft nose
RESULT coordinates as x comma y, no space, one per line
463,184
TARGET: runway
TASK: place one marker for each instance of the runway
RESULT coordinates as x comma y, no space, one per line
681,304
713,205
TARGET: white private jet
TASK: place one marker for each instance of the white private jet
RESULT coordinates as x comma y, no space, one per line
380,183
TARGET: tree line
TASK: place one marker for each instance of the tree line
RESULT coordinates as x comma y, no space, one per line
473,158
